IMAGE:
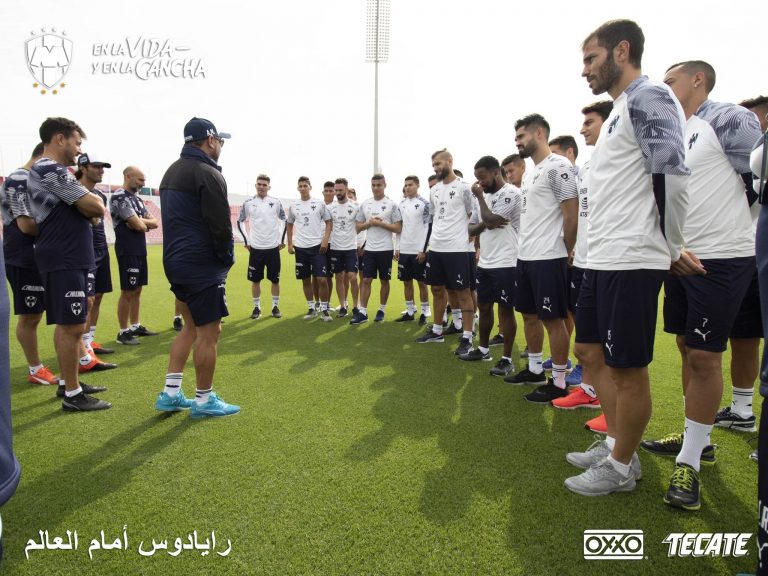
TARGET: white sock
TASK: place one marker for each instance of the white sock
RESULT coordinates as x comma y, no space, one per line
177,316
201,396
425,309
135,326
92,332
623,469
588,390
534,362
124,330
410,308
85,360
275,301
257,302
87,340
69,393
483,350
437,329
324,306
363,310
33,369
467,334
610,441
742,401
310,304
172,383
507,359
695,439
383,307
457,319
558,374
445,316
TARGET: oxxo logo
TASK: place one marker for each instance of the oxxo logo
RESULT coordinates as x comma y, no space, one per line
682,544
613,545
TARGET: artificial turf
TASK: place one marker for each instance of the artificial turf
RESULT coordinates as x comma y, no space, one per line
357,451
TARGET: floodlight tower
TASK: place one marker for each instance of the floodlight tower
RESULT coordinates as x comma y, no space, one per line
377,50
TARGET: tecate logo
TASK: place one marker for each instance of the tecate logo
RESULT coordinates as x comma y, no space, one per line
682,544
613,545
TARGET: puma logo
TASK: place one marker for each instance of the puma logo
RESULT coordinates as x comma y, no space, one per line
702,334
609,347
548,308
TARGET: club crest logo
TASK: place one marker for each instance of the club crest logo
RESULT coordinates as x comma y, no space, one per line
48,54
77,308
30,301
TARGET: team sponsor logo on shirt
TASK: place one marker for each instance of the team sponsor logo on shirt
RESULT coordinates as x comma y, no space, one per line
48,55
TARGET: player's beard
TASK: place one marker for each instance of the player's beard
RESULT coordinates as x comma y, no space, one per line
607,75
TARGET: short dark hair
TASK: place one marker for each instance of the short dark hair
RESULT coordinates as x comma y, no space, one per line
413,179
263,177
78,174
342,181
458,173
611,33
443,151
378,176
565,143
432,178
487,163
512,158
754,102
304,179
52,126
328,184
602,108
693,66
38,150
533,121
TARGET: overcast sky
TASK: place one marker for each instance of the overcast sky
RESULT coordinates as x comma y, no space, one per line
290,82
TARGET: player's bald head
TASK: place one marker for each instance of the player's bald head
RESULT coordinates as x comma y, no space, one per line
132,172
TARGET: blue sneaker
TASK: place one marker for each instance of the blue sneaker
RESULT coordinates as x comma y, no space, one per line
547,364
172,403
359,318
379,316
214,407
574,378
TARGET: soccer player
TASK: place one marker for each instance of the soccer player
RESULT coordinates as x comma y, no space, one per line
637,208
584,395
19,231
198,251
265,217
411,253
380,217
700,310
132,221
447,265
499,205
64,211
548,220
352,195
328,197
308,228
90,172
747,329
344,246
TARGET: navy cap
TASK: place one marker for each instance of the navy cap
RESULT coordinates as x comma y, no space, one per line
85,159
200,129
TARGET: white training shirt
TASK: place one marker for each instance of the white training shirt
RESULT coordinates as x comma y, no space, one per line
450,206
379,239
344,235
308,219
640,141
498,247
552,181
580,251
416,217
718,140
265,217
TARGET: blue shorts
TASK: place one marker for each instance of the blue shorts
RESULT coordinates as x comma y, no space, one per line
618,310
703,308
472,263
378,264
408,268
27,288
206,305
102,276
542,288
259,259
449,269
575,275
344,261
310,262
497,285
133,272
749,320
65,296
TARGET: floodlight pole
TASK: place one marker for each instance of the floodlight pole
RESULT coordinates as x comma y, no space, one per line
377,50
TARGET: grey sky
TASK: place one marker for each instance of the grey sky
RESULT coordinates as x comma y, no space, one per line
290,82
